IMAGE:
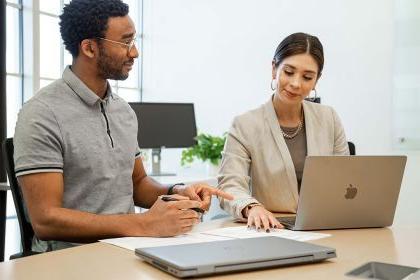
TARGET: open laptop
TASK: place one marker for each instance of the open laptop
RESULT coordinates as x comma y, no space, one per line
347,192
232,255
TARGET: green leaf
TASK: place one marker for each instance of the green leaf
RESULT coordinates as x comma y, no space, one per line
208,148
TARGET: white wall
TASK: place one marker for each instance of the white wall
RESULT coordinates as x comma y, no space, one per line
217,54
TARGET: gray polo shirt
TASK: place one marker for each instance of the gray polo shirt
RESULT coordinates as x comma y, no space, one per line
67,128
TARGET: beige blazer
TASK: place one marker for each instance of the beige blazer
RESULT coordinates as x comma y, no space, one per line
256,164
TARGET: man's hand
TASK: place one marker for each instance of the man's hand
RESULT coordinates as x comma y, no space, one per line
201,192
170,218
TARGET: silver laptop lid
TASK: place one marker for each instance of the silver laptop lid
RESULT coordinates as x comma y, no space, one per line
232,255
349,191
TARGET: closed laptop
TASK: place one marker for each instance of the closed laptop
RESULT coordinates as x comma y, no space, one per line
232,255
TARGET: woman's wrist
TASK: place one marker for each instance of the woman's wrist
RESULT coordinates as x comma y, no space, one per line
245,211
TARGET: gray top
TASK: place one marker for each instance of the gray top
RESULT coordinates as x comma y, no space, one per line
297,149
67,128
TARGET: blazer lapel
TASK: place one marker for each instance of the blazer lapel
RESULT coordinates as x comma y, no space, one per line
271,119
311,128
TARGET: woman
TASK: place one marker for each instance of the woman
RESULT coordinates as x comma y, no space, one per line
265,149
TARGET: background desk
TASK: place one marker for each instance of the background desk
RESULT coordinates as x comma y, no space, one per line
103,261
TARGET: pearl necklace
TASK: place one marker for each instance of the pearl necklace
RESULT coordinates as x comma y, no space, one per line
290,136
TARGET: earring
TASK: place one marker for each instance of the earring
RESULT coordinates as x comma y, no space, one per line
314,99
273,88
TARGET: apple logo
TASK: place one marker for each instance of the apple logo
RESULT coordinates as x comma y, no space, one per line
350,192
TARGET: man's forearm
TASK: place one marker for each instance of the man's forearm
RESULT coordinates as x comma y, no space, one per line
147,190
77,226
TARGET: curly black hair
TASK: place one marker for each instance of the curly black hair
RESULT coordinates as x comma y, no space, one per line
83,19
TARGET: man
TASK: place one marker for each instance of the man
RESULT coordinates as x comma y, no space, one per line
76,153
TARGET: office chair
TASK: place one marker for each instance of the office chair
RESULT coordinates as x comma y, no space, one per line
26,230
352,148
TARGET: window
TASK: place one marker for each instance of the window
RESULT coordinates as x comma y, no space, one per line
130,89
406,91
14,79
54,58
13,63
50,45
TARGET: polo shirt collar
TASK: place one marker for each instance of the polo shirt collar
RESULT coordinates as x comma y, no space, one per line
86,94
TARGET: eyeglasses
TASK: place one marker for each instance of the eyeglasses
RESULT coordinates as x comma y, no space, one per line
129,45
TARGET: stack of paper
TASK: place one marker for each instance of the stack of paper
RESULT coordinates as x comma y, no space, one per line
244,232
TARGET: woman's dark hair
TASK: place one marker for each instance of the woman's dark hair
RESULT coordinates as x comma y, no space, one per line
84,19
298,43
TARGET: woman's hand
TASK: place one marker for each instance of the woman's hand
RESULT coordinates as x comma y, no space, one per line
260,217
201,192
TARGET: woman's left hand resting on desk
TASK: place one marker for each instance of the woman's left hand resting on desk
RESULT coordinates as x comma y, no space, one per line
260,217
201,192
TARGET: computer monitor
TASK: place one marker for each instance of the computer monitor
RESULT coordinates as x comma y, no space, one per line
164,125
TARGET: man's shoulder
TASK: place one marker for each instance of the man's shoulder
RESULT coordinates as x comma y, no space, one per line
54,97
49,93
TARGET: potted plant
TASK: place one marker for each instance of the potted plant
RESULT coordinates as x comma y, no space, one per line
208,149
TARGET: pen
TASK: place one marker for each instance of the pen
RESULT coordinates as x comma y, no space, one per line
171,198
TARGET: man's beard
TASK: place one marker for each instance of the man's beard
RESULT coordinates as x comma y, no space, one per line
108,68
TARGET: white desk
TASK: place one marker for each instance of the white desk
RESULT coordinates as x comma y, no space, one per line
355,247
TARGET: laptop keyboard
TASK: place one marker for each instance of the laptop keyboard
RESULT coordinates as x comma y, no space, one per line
287,220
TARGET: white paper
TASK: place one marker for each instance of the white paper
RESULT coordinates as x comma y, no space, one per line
244,232
131,243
